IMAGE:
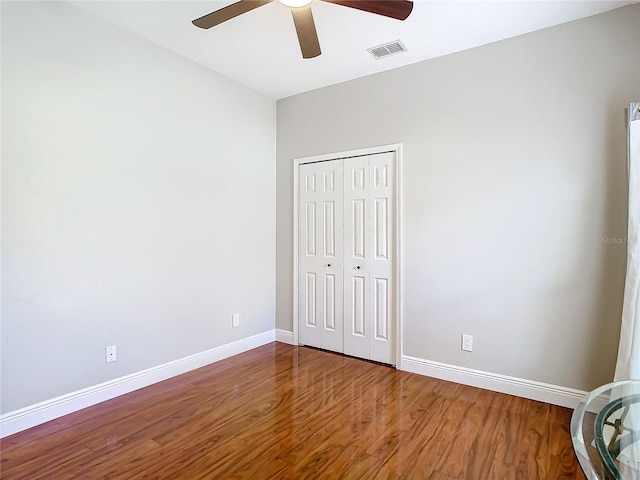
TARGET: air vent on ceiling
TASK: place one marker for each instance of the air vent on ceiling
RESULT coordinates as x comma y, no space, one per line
386,50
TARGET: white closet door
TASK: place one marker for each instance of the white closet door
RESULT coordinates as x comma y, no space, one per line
346,254
382,340
369,330
357,249
320,238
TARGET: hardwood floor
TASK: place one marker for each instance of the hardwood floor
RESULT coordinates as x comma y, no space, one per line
281,412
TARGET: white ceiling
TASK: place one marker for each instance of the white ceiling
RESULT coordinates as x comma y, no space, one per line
260,48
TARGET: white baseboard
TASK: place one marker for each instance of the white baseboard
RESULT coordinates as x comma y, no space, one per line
18,420
543,392
284,336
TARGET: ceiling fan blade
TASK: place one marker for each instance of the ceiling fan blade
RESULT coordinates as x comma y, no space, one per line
398,9
306,28
227,13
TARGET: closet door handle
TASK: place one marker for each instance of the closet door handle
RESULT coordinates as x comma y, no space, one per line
358,267
328,264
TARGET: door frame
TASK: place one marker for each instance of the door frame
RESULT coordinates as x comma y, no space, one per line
397,270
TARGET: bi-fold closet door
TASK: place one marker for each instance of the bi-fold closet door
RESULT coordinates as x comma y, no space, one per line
345,259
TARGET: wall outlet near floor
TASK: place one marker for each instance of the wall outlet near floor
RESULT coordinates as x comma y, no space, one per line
110,354
235,320
467,343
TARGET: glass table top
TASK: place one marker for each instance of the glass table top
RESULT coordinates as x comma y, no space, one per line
605,431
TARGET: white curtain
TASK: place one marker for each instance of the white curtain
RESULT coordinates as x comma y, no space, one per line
628,365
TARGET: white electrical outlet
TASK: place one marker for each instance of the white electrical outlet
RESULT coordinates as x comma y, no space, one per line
467,343
235,320
110,354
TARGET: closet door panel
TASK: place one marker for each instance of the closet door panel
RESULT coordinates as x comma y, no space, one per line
320,239
382,203
357,250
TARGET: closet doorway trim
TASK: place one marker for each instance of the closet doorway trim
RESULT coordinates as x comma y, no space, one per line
397,271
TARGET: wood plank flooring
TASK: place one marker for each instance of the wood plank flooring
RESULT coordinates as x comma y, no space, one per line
283,412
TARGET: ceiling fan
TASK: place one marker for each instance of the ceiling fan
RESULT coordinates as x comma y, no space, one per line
303,18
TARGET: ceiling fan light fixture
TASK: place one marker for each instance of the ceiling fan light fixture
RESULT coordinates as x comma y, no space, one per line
295,3
303,17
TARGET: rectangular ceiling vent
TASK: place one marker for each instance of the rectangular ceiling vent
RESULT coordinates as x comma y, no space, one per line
386,50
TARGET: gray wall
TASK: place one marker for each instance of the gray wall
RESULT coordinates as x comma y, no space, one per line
133,185
514,178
